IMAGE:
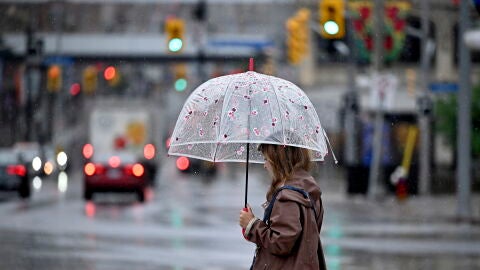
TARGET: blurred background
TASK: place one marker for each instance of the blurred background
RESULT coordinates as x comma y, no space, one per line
90,91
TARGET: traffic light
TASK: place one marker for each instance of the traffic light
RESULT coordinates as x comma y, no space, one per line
90,79
75,89
54,78
293,51
332,18
180,77
175,30
297,36
111,75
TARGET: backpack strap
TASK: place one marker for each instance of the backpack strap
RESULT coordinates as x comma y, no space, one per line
268,211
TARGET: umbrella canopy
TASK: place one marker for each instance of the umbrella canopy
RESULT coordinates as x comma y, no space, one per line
225,114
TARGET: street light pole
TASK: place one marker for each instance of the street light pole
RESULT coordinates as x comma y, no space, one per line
464,208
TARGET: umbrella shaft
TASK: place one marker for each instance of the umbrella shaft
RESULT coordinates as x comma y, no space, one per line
246,174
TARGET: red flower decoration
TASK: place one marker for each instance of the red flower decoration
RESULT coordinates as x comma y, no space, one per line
399,25
358,25
369,42
392,12
365,12
388,43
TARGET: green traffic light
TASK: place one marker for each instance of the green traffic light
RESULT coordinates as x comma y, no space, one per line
180,85
331,28
175,44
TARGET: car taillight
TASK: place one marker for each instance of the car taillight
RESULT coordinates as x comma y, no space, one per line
89,169
127,169
138,170
99,169
19,170
87,151
183,163
149,151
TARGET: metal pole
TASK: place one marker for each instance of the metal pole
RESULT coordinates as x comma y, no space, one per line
58,115
29,84
375,172
424,104
464,208
200,37
351,116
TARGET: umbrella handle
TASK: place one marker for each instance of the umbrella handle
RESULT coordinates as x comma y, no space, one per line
243,229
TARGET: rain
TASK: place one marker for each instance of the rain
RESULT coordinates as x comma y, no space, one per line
130,129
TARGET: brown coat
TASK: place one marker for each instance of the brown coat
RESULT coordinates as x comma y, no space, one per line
292,238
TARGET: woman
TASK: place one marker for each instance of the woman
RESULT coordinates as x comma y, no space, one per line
288,236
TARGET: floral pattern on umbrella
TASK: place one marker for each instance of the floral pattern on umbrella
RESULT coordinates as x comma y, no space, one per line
225,113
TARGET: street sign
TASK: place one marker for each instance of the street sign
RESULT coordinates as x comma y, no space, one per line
58,60
384,87
443,87
257,44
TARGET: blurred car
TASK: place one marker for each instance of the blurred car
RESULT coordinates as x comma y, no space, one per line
41,160
54,161
30,153
116,172
120,153
14,173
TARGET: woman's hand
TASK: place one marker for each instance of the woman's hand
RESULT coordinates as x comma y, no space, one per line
245,217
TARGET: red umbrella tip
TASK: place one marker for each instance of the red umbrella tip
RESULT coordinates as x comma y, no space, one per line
250,65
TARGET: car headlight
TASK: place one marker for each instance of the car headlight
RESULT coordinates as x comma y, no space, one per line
62,159
37,164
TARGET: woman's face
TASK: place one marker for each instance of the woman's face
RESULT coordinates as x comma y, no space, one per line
268,166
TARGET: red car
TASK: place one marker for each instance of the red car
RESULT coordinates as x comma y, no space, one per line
119,172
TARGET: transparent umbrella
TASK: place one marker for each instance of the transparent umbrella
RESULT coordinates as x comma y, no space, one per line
226,118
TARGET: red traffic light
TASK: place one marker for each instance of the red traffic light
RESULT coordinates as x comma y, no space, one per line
109,73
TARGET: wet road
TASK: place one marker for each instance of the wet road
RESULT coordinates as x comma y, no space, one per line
190,222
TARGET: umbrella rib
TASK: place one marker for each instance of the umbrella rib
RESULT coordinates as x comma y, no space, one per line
222,118
279,108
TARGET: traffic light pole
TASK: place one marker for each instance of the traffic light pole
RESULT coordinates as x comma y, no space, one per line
425,105
375,166
200,37
34,50
351,102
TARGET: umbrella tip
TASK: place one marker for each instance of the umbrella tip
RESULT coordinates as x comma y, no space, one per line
250,65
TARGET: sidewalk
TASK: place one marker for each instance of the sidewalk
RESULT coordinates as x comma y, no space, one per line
414,208
418,232
417,209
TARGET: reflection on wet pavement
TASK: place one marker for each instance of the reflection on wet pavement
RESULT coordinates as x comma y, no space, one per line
188,224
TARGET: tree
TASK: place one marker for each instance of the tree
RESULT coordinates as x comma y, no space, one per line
446,116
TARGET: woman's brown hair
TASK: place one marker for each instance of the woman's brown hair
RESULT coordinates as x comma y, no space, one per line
285,160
